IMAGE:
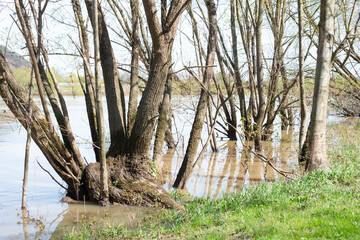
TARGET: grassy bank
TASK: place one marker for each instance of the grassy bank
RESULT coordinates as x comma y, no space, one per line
323,205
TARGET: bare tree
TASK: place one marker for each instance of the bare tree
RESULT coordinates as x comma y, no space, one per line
99,110
201,110
130,175
302,135
28,141
89,87
317,135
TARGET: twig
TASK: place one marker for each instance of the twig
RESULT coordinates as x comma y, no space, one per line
51,175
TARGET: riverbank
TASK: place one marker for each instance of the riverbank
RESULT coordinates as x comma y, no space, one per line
324,204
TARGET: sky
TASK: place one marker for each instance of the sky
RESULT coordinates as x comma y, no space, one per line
59,25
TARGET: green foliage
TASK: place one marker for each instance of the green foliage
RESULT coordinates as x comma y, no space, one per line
323,204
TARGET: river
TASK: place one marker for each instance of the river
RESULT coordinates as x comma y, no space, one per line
229,170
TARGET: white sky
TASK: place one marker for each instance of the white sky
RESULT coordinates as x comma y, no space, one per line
59,18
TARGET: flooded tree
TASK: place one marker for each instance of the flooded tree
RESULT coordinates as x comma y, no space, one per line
202,105
129,167
250,81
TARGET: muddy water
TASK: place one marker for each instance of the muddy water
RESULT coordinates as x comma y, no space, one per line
228,170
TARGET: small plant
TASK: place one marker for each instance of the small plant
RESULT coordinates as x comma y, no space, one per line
115,182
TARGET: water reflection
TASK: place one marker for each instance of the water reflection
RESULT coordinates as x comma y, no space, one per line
25,223
233,167
78,214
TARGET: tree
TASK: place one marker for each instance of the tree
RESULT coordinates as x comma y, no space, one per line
301,77
317,135
201,110
99,111
130,177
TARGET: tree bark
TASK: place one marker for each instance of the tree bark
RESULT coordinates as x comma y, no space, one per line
28,142
162,38
196,130
89,83
134,88
238,80
48,141
260,75
302,134
317,139
113,89
162,125
99,110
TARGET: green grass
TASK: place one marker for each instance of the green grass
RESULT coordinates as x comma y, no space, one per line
319,205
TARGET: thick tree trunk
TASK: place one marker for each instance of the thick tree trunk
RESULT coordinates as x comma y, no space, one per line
130,179
131,182
196,130
114,92
163,38
317,138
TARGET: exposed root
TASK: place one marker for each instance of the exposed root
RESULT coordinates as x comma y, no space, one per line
130,183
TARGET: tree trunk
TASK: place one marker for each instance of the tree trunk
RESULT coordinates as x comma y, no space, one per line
196,130
99,111
238,80
277,21
317,138
48,141
302,134
230,115
162,37
28,142
130,177
114,93
162,125
135,42
259,65
89,83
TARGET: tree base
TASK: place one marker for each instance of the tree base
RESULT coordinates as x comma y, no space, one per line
130,182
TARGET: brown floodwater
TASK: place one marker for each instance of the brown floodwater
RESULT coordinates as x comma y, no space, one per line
231,169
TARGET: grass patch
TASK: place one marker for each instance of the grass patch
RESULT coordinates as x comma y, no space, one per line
323,204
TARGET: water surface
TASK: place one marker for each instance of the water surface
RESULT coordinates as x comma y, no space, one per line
228,170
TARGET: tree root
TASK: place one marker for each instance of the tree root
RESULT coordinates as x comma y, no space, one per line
130,183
